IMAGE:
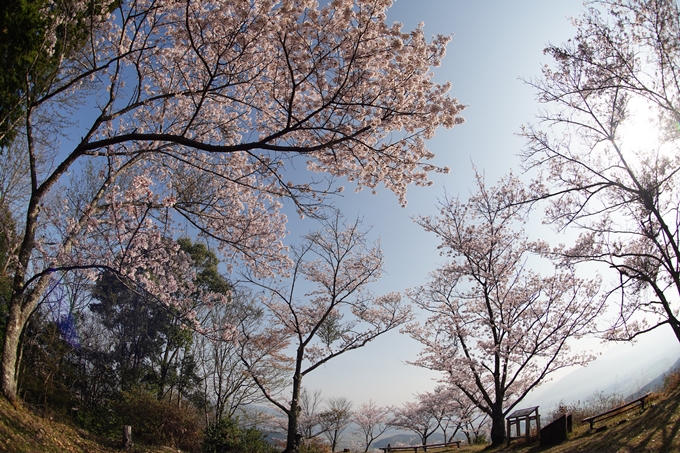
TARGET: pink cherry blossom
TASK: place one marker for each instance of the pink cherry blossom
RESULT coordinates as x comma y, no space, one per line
187,118
498,325
335,314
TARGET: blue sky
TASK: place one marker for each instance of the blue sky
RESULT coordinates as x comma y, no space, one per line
495,44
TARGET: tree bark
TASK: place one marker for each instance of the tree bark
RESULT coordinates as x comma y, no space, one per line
9,355
21,306
293,439
16,322
497,428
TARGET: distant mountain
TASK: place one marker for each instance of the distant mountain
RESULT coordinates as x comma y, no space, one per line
655,384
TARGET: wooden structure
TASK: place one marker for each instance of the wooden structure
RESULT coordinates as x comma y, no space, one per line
423,447
616,411
557,430
127,437
523,416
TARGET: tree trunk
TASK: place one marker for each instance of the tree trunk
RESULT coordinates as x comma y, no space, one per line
497,428
21,306
452,436
9,361
334,444
16,321
293,439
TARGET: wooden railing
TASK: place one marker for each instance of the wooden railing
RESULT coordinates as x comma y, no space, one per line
415,448
616,411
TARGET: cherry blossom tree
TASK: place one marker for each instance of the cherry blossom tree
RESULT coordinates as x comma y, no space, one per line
310,423
444,402
455,413
226,386
338,263
335,419
416,417
609,161
372,421
498,327
471,421
187,115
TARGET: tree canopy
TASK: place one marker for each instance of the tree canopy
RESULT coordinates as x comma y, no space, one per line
618,74
189,115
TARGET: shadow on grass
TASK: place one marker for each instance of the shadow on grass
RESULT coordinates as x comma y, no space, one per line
656,429
653,430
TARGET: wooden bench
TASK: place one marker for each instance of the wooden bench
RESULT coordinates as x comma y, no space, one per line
424,447
616,411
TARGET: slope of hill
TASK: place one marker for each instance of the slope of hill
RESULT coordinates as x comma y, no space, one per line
22,431
657,383
652,430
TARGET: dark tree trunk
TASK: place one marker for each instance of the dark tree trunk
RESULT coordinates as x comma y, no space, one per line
497,428
293,439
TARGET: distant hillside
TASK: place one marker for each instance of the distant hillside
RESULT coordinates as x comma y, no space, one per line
655,384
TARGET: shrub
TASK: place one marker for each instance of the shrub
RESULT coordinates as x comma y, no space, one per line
671,381
314,445
596,403
100,420
225,436
480,440
158,422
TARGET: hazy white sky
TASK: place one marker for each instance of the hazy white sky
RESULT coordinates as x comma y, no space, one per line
495,44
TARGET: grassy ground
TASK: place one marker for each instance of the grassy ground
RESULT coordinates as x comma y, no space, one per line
22,431
653,430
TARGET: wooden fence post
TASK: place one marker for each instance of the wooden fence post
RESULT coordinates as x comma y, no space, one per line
127,436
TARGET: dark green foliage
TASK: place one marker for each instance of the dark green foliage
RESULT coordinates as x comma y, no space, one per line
150,345
116,356
157,422
480,439
139,329
225,436
46,369
99,420
7,229
208,276
28,56
21,38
